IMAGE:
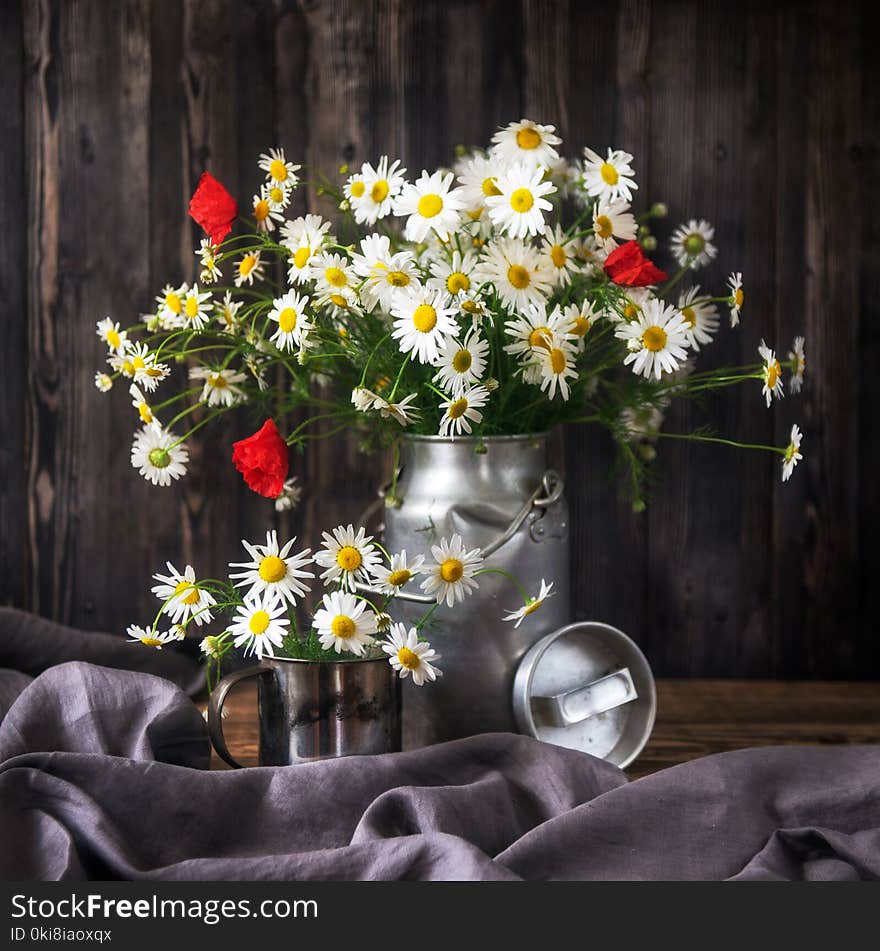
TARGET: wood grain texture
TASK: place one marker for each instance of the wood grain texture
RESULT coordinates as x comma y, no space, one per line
762,117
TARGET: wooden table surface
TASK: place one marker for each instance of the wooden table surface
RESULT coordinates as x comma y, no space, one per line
694,718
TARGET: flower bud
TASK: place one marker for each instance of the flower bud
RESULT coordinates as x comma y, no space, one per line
659,210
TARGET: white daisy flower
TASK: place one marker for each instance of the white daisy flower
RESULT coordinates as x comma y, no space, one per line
535,328
518,209
141,364
478,175
381,186
461,364
429,205
461,410
557,366
147,636
363,399
278,169
110,333
220,386
578,321
274,570
609,178
104,382
473,306
264,214
248,268
527,143
386,273
278,195
792,453
260,624
701,316
170,301
348,556
422,319
294,324
517,271
592,253
736,297
184,599
453,275
354,189
389,579
156,454
451,577
399,411
289,497
332,273
560,255
657,339
532,605
227,312
311,231
211,646
798,356
195,308
207,255
771,374
139,402
691,244
613,222
344,623
408,655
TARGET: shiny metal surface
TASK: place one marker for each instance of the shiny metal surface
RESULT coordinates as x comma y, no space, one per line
310,711
447,487
604,684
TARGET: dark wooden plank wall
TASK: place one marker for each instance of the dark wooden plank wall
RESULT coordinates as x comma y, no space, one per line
759,116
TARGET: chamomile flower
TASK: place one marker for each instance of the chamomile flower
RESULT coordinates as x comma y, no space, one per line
311,231
278,195
578,321
211,646
399,411
381,186
289,497
170,301
657,339
526,143
557,367
429,205
477,176
363,399
519,208
451,577
278,169
249,267
141,364
294,324
610,178
196,308
771,374
701,316
422,319
799,358
354,189
461,363
347,556
182,599
792,453
535,328
139,402
517,271
592,253
532,605
473,306
220,387
735,282
103,382
390,579
692,244
332,274
260,624
110,333
613,222
560,255
274,569
264,214
408,655
386,274
227,312
158,456
453,275
207,255
147,636
344,623
461,410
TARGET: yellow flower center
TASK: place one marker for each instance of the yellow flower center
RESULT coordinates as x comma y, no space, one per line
557,360
689,315
342,627
349,558
357,189
193,594
261,210
425,318
458,409
489,188
462,361
630,311
272,568
259,622
113,338
247,264
774,372
398,278
408,658
738,297
603,226
538,337
470,307
192,307
608,173
151,641
528,138
457,282
301,257
430,205
518,276
145,413
522,200
218,381
558,255
654,338
451,569
128,368
580,326
340,301
399,578
379,191
343,332
172,302
138,363
276,195
335,276
287,319
278,170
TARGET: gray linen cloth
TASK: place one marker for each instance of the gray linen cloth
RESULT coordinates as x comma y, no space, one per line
103,774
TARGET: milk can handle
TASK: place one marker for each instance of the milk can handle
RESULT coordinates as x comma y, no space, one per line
548,492
215,710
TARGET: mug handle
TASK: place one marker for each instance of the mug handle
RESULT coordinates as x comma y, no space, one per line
215,710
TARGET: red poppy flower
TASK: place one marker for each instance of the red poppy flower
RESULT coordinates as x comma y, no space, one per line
627,265
263,460
213,208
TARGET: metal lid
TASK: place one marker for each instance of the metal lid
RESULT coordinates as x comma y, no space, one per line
587,687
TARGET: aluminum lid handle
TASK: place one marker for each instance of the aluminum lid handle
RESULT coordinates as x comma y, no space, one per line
580,704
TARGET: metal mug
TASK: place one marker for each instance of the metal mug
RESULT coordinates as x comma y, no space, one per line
311,710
